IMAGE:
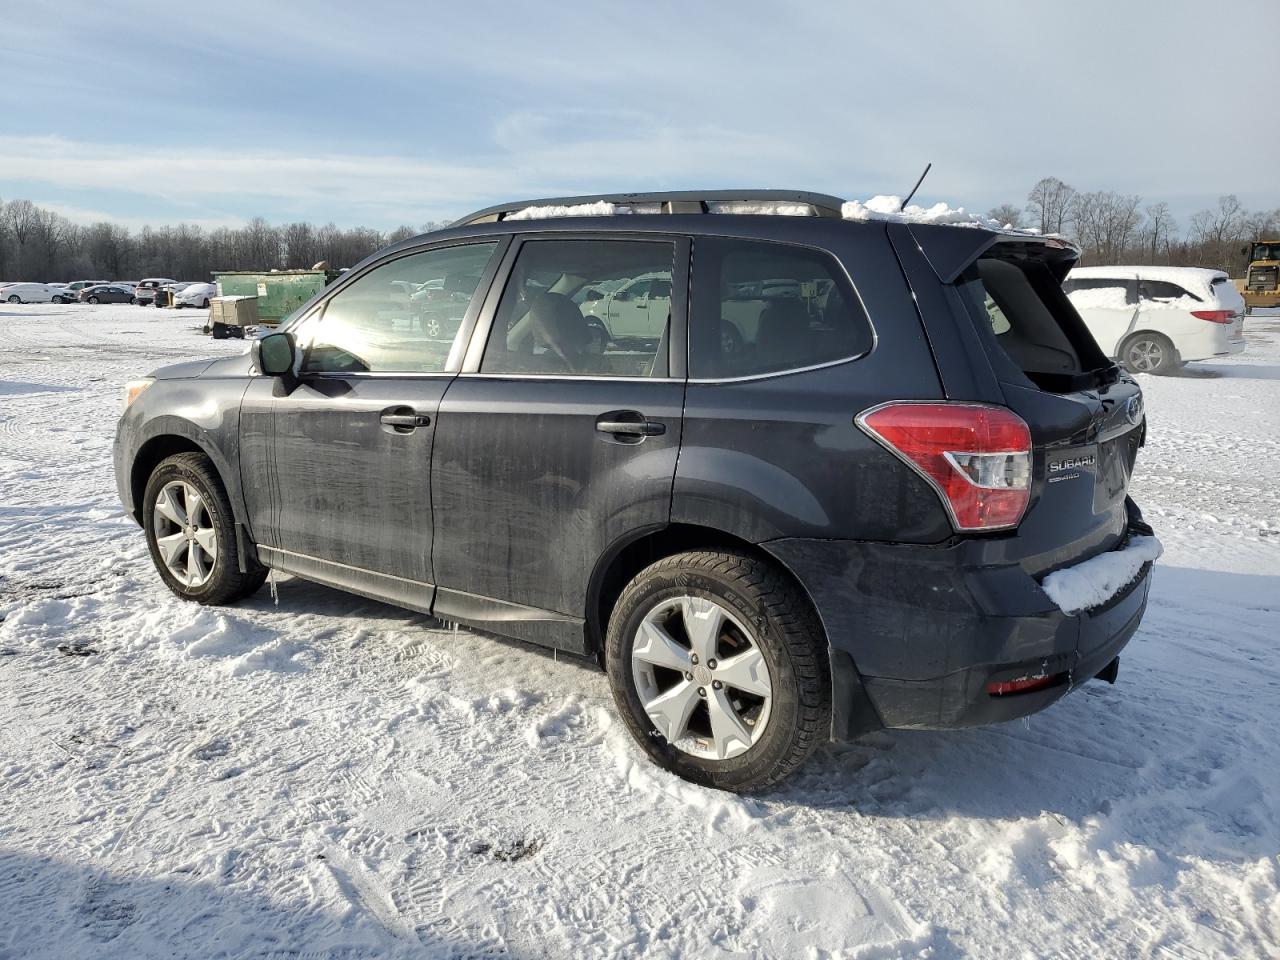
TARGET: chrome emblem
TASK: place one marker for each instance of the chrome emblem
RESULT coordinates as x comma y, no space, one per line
1133,409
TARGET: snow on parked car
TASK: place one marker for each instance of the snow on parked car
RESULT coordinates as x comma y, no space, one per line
1156,319
26,293
194,295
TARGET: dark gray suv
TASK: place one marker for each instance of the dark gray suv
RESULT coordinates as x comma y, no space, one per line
812,490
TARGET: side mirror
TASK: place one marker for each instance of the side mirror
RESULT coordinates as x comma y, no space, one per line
594,295
623,295
274,354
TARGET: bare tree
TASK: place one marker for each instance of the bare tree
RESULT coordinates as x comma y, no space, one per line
1215,232
1157,233
1049,204
1007,214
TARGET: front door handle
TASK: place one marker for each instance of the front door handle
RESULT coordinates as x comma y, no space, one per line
404,419
629,423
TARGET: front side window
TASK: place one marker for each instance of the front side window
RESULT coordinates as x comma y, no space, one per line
586,308
763,307
400,317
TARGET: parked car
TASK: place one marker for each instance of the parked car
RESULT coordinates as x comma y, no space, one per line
70,292
195,295
637,309
107,293
868,514
1157,319
24,292
145,290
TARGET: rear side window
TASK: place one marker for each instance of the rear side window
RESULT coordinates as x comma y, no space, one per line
1163,290
584,308
760,308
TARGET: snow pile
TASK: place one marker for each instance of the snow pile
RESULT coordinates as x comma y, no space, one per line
890,208
766,207
1097,580
601,208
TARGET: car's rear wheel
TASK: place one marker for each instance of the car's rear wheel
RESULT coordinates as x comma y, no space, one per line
94,300
719,667
191,532
205,303
1150,353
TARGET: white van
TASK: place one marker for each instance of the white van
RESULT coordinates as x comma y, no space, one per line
1155,319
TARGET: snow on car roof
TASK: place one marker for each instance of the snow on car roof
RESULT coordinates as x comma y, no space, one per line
1171,274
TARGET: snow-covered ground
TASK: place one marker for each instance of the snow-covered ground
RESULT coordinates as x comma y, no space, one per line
331,777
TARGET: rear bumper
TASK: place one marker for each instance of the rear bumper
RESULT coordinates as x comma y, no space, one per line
917,633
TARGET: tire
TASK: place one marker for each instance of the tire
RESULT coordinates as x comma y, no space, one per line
94,300
1151,353
133,300
15,299
760,606
218,579
205,304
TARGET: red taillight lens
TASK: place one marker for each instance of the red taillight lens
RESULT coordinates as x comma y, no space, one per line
1002,688
977,457
1214,316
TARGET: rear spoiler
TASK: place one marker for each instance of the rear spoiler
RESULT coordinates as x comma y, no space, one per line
951,249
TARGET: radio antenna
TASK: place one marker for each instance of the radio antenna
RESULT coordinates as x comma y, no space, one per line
927,168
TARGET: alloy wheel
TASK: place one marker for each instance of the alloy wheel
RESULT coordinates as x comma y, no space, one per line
185,534
1145,355
701,678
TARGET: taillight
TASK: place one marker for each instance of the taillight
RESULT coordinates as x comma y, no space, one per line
977,457
1214,316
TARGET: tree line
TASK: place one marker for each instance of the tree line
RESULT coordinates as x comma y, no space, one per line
41,244
1114,228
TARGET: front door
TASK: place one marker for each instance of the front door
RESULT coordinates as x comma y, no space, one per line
342,490
552,448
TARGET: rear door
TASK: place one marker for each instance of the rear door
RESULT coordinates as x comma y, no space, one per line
337,470
551,448
1085,415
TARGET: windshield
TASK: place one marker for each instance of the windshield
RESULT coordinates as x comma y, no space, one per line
1266,251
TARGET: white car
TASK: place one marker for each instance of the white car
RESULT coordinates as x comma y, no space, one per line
638,308
1155,319
27,293
194,295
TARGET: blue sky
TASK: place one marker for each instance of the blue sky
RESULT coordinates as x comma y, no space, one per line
386,113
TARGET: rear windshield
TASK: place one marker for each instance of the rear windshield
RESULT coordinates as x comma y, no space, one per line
1031,324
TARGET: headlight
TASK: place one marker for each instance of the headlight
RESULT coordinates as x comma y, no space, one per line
133,389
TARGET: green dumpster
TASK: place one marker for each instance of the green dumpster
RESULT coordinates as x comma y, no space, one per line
279,292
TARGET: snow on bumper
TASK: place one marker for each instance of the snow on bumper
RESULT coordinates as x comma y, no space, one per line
1095,581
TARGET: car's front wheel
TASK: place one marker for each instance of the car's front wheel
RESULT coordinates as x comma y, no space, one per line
15,299
94,300
719,667
1151,353
191,532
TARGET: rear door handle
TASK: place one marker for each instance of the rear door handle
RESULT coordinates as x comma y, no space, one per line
404,419
629,423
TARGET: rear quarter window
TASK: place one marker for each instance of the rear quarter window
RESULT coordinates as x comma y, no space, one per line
759,308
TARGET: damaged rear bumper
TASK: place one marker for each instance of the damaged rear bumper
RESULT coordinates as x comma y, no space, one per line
919,635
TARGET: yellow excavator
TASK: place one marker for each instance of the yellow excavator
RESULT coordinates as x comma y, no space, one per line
1261,284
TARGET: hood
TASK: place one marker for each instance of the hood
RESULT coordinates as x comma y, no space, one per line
234,366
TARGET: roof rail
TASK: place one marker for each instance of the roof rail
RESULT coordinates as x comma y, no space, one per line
677,201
